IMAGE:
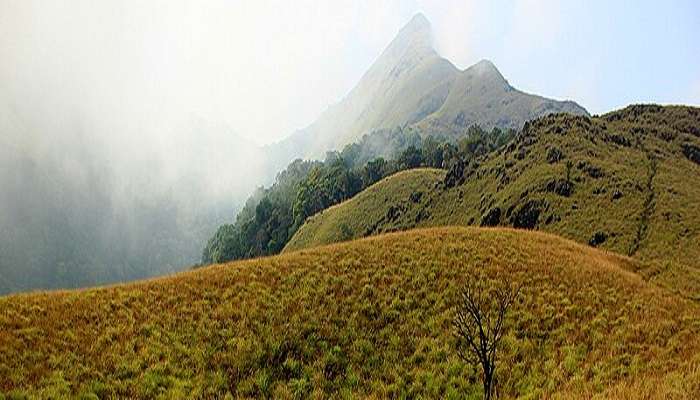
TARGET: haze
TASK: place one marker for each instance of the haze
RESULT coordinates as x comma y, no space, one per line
118,119
267,68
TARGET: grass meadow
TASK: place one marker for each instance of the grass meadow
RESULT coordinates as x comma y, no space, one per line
369,318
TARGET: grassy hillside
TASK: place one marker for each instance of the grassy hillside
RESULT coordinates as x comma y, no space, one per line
631,188
481,95
366,318
349,220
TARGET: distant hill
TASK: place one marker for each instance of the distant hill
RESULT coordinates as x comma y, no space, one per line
410,84
409,95
368,211
630,190
374,210
371,318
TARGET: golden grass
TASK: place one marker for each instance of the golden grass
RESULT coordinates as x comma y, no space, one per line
368,318
670,247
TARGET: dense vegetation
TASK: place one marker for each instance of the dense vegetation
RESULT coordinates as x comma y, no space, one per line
368,318
623,181
272,216
376,207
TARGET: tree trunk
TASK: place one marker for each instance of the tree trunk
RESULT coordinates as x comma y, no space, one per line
488,383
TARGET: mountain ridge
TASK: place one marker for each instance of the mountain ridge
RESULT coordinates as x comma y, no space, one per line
411,84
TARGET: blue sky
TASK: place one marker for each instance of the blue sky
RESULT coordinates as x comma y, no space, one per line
267,67
603,54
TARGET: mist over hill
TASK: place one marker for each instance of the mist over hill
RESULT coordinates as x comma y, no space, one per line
110,186
410,93
74,212
411,84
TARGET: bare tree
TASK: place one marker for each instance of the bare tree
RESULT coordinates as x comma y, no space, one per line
478,324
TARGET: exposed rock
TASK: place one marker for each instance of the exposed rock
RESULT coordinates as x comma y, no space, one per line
554,155
590,169
503,181
528,215
509,211
528,140
598,239
667,135
560,187
492,218
553,218
422,215
692,152
455,175
416,196
618,139
394,213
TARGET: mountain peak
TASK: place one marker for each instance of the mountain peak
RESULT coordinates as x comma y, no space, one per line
419,21
411,46
485,68
417,33
411,84
485,65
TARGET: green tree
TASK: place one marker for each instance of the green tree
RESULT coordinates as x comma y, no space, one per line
432,152
412,157
373,171
450,155
223,246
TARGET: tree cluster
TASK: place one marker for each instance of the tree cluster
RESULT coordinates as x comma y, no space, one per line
271,216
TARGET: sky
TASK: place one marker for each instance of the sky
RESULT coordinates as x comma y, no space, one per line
266,68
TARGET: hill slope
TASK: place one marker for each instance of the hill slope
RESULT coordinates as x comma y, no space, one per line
411,84
370,317
350,219
629,190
